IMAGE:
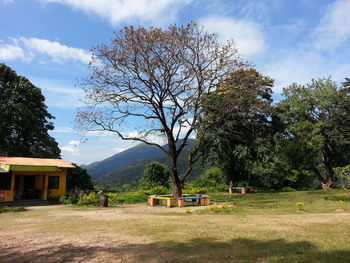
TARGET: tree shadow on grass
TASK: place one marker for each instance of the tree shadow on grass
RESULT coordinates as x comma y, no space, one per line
193,250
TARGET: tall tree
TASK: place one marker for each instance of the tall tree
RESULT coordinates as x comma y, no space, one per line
317,118
238,116
78,178
24,119
153,80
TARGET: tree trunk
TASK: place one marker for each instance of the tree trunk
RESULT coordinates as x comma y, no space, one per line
177,188
177,185
326,183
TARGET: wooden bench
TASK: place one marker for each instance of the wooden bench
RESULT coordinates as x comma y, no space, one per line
242,190
170,202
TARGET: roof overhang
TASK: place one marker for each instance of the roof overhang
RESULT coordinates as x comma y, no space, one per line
28,168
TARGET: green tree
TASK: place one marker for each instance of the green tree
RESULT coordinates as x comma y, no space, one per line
317,124
155,174
24,119
236,118
212,177
78,178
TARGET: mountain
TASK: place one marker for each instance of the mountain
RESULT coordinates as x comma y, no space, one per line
139,152
134,171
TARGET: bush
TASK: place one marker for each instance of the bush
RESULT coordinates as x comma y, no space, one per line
155,174
288,189
91,199
139,196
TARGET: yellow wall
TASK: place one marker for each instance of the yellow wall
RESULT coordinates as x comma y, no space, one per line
41,180
62,184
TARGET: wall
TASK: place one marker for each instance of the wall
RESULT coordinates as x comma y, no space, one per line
41,180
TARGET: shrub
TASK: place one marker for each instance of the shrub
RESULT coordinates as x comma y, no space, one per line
300,206
91,199
288,189
155,174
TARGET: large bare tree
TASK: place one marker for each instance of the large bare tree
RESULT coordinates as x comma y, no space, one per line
152,81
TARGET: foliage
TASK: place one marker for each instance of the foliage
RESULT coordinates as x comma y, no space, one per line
156,78
343,175
300,206
91,199
78,178
316,135
6,209
236,130
155,174
24,119
139,196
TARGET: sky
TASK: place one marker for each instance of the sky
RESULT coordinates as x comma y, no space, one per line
49,42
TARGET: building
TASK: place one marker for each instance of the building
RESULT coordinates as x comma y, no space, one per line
32,178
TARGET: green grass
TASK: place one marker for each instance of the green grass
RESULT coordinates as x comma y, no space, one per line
6,209
316,201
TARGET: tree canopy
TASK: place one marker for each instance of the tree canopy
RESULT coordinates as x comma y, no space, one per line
155,174
317,123
78,178
24,119
156,78
238,116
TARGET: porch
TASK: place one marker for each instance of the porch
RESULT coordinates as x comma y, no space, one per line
32,178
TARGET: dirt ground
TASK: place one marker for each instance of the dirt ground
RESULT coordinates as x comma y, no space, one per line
138,233
19,242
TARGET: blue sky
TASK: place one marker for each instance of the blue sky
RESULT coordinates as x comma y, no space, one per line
48,41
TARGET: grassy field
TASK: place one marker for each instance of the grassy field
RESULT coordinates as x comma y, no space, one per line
263,227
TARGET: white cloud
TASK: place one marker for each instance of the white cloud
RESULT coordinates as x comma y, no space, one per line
334,29
59,94
74,143
58,52
62,130
95,149
27,48
11,52
301,66
248,35
116,11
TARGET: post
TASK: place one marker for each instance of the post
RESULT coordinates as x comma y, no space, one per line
170,202
45,187
181,203
104,200
152,201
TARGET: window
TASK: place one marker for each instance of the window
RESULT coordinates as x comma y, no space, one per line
54,182
5,181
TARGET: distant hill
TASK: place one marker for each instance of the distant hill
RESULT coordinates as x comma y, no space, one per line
139,152
127,165
134,171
